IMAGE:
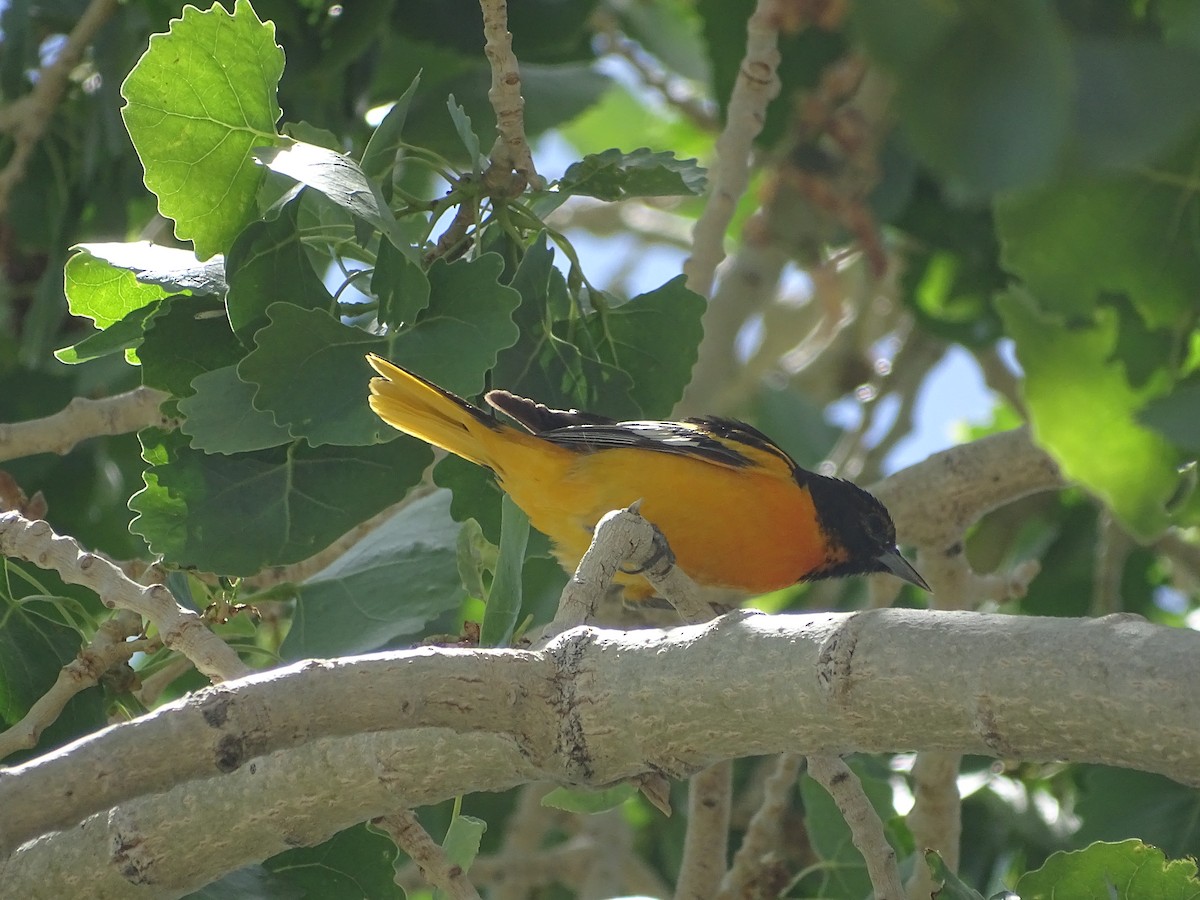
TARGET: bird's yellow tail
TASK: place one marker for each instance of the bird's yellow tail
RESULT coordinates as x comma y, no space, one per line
418,407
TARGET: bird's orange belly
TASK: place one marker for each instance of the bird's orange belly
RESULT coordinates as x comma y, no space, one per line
731,528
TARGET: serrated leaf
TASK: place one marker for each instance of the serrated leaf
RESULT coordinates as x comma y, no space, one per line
1085,412
237,514
1129,233
170,268
197,102
613,175
188,336
468,321
1129,869
504,598
400,286
311,374
123,335
221,418
389,585
268,262
104,293
337,177
466,134
587,802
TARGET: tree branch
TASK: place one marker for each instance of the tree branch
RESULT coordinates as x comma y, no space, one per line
597,706
710,796
411,837
866,829
27,118
179,629
511,151
762,834
82,419
109,646
757,85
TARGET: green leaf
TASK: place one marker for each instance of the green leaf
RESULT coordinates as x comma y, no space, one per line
476,495
271,507
504,598
382,151
1135,98
355,862
197,102
594,367
105,293
35,643
467,323
1085,413
471,548
466,134
1115,804
221,417
123,335
636,332
952,887
171,268
267,262
400,285
389,585
581,800
188,336
965,74
613,175
312,376
1131,233
1129,870
462,841
337,177
1174,416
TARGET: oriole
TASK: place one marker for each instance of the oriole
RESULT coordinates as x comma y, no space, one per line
735,509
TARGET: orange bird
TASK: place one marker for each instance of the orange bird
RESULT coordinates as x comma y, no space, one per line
737,512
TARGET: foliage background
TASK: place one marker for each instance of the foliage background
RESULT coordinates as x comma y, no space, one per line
1028,170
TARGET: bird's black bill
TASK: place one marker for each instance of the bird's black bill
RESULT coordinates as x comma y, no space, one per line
892,561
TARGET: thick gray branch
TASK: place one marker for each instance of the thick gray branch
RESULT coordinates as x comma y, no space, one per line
595,706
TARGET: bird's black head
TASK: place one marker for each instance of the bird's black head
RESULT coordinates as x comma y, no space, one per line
859,529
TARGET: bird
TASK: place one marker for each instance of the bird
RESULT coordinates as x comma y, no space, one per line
736,511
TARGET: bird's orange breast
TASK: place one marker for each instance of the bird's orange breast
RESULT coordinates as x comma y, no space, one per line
742,528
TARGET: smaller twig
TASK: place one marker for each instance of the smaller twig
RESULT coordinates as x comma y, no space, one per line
81,419
410,836
866,828
624,538
158,681
678,97
756,86
108,647
936,817
762,836
511,151
1113,547
179,629
612,847
706,845
524,833
28,118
